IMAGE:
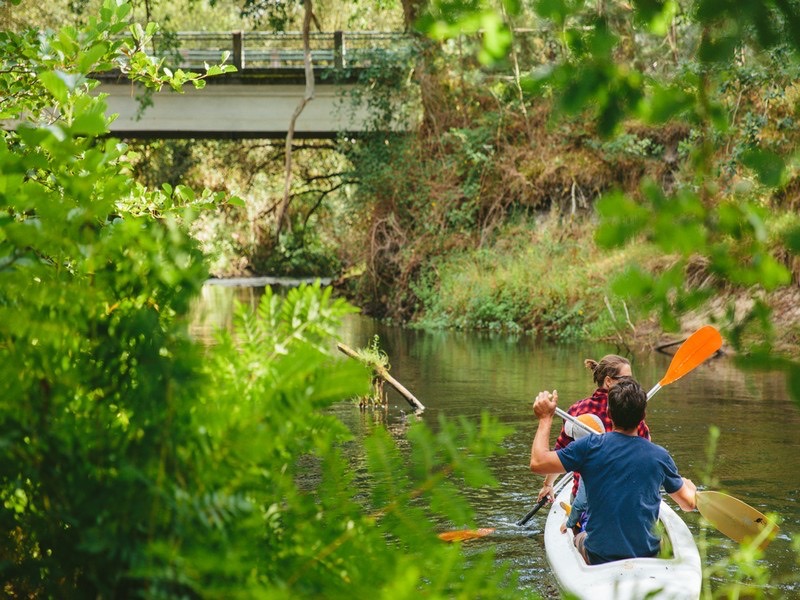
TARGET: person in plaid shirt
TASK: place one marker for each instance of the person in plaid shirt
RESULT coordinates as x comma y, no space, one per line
605,375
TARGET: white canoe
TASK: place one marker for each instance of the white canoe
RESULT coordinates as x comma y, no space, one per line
675,578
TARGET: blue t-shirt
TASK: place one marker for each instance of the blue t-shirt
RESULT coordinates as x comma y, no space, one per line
623,475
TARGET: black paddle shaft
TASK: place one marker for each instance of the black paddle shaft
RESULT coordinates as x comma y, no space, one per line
533,511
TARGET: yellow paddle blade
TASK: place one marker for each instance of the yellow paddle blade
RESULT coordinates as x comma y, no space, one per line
465,534
567,508
734,518
697,348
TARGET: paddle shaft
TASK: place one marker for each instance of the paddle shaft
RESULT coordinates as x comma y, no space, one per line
558,487
575,421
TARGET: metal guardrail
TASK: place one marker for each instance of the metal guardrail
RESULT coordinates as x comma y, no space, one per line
262,50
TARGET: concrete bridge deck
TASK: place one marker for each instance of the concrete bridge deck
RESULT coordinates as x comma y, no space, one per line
259,99
261,108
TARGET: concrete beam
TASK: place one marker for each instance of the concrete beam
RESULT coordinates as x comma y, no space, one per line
232,110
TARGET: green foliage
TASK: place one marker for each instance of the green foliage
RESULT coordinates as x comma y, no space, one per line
98,369
693,218
137,464
373,356
298,253
540,281
319,540
744,571
444,19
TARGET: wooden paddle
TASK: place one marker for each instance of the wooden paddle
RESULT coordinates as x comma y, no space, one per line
734,518
699,346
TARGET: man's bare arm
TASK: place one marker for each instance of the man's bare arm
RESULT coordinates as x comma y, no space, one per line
543,460
685,497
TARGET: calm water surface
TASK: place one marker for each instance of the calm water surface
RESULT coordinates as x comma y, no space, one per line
458,373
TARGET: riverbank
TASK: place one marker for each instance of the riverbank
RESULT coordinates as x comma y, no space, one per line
547,277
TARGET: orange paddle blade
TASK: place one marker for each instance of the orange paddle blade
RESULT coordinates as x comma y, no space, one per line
567,507
697,348
464,534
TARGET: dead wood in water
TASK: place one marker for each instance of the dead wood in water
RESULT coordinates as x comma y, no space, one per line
385,375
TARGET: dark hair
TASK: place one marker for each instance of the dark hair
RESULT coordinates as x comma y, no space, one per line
627,402
609,366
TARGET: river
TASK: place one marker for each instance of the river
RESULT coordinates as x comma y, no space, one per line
464,373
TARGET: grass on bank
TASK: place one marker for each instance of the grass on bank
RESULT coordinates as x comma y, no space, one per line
542,275
546,276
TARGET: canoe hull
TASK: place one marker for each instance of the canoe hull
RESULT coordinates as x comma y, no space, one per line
675,578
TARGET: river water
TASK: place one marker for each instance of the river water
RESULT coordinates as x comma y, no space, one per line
464,373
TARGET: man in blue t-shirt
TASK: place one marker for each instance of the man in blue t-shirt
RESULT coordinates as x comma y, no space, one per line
623,474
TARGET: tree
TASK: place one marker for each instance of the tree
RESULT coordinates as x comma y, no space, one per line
137,463
717,227
308,96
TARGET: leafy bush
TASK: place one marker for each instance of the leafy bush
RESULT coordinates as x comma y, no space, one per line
137,464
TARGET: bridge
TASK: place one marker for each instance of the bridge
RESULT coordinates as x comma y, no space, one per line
258,100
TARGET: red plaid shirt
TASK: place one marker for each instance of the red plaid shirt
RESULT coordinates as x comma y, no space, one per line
597,404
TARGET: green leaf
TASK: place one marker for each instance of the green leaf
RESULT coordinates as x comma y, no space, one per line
496,39
717,50
513,7
446,500
791,239
665,103
633,283
661,20
556,10
647,10
184,192
769,272
621,219
56,85
89,124
601,41
769,166
88,60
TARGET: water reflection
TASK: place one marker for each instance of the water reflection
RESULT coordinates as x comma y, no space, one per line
457,373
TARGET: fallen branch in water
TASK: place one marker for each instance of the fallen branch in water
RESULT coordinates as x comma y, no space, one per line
385,375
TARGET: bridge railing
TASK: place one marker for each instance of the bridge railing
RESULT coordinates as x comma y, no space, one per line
334,50
263,50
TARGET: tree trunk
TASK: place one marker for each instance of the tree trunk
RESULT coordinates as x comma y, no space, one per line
308,96
411,12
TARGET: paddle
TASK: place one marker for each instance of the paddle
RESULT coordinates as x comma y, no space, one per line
734,518
699,346
556,489
464,534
